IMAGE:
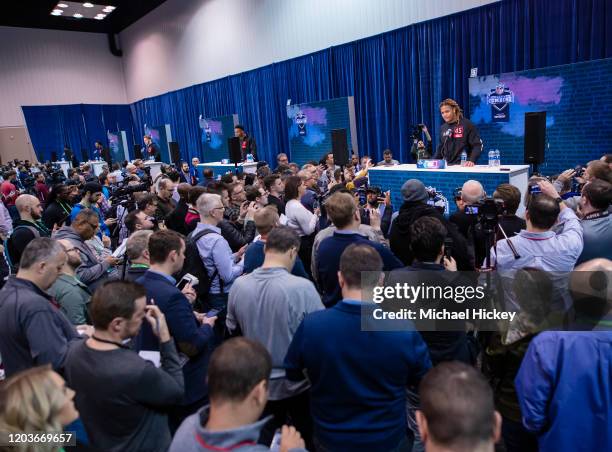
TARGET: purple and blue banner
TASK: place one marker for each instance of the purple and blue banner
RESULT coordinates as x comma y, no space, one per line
574,96
310,125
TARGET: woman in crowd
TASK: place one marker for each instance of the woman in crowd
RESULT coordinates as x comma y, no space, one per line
36,400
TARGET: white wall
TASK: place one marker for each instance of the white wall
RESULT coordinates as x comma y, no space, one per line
185,42
50,67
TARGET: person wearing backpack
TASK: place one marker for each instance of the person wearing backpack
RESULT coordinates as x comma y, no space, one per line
27,228
221,265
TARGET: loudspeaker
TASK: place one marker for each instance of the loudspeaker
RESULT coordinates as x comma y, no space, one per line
339,147
535,137
84,155
138,151
106,156
233,145
54,156
68,155
175,153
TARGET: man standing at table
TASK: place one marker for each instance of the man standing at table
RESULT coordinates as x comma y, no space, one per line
247,143
457,134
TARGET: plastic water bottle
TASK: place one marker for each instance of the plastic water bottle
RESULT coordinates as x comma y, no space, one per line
249,158
497,158
490,158
463,157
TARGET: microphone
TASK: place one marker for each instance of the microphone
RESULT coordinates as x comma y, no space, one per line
447,134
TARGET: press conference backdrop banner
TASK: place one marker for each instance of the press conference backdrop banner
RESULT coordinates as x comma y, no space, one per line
159,136
310,125
115,146
574,97
215,132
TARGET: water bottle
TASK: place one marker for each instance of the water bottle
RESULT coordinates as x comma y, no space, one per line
490,158
463,157
497,158
249,158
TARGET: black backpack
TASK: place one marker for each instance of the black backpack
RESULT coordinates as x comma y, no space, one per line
13,266
193,264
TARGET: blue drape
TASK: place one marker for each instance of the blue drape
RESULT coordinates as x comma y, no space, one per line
397,78
75,126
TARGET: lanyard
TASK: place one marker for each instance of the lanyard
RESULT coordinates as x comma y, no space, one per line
118,344
596,215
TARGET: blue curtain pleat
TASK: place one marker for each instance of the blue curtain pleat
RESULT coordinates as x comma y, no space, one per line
397,78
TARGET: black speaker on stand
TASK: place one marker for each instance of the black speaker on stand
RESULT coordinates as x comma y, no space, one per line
106,156
54,156
235,154
137,151
340,149
84,155
535,138
175,153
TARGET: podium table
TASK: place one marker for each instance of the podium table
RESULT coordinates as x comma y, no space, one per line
219,169
446,180
97,166
155,167
64,166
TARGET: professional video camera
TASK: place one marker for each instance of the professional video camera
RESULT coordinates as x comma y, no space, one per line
417,131
487,211
437,200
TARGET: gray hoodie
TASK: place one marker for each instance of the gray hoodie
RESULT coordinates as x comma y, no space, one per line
91,272
193,437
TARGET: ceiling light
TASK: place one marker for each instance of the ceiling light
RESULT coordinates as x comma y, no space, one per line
99,17
88,5
112,8
62,5
57,12
77,16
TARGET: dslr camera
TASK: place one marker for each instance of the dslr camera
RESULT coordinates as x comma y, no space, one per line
417,131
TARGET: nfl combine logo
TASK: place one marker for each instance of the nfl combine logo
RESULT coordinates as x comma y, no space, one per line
300,120
500,99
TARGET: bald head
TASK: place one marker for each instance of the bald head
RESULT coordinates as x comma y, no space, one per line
472,192
29,207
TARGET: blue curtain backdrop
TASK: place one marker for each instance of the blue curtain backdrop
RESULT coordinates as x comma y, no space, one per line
76,126
397,78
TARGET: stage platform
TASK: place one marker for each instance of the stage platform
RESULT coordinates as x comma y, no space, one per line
446,180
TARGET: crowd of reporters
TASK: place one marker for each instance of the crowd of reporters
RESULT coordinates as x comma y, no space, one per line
99,335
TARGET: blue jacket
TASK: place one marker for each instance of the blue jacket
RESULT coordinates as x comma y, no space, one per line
190,337
328,262
78,207
564,387
359,378
254,258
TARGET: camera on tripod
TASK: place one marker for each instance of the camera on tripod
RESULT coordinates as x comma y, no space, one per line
487,211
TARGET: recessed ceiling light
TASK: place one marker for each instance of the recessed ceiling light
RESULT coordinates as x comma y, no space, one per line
100,16
62,5
112,8
57,12
77,16
88,5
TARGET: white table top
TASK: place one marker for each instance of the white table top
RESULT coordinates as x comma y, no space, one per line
229,165
478,169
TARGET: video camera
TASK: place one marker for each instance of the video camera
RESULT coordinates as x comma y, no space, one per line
417,130
487,211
